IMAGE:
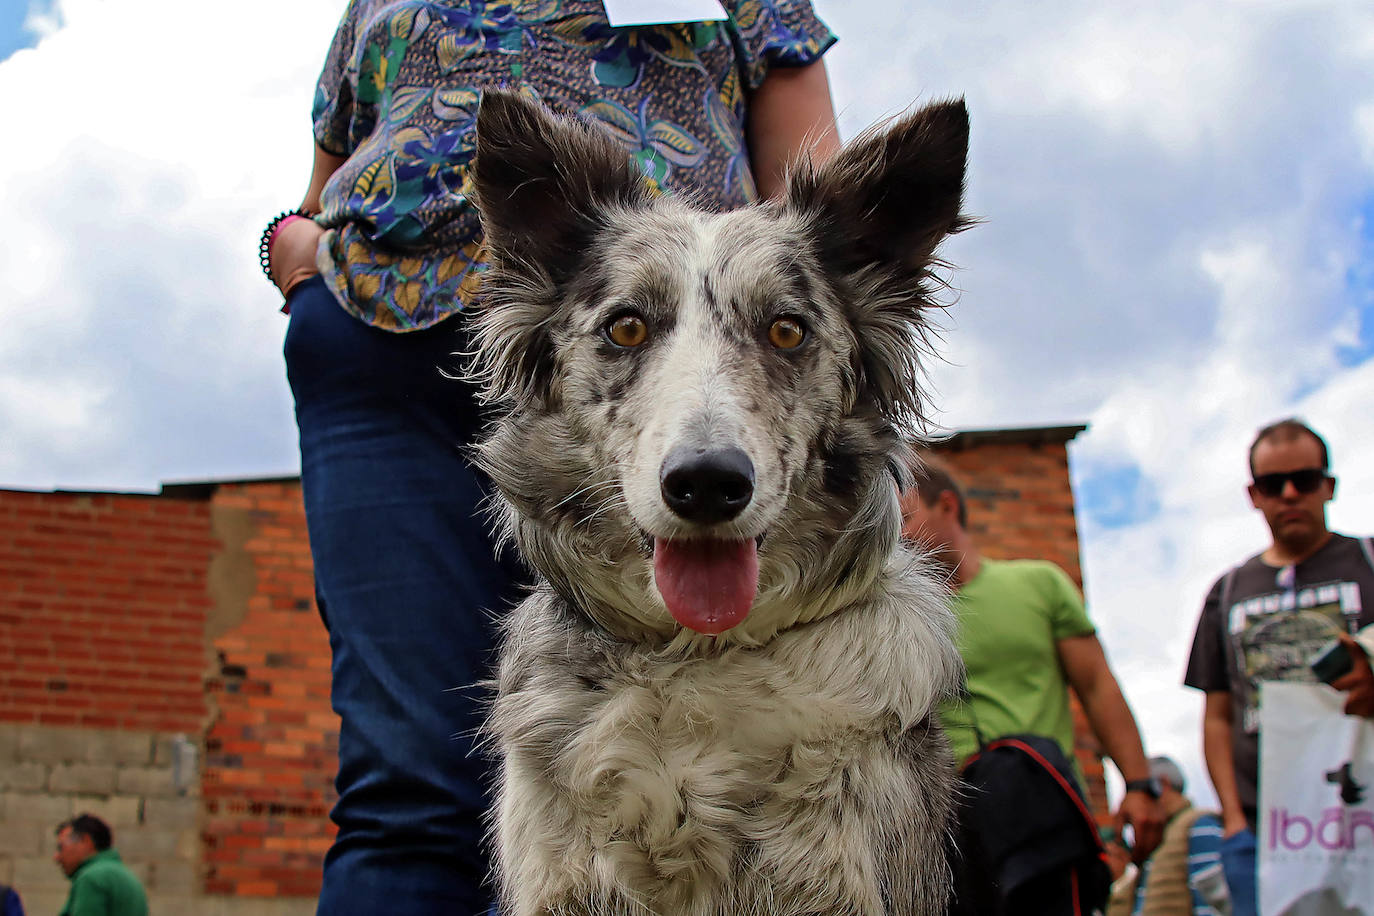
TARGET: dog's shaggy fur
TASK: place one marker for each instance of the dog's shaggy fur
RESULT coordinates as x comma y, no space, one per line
789,764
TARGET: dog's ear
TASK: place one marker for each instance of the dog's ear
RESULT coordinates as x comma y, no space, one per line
876,213
891,195
545,184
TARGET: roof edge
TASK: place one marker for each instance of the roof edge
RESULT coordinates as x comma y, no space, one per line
203,489
1018,435
175,489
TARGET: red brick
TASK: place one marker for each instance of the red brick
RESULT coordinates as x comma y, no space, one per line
256,889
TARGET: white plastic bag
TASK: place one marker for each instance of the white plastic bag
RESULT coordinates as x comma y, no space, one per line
1316,804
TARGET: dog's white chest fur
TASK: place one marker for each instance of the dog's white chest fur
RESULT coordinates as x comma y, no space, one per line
715,785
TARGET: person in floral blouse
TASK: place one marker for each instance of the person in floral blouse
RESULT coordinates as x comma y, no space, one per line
378,269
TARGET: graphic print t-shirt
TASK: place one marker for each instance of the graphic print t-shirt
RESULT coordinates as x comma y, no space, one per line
1275,621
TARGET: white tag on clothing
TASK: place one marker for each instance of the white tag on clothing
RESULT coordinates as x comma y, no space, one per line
655,12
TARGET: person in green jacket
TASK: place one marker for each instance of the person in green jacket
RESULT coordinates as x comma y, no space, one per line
101,884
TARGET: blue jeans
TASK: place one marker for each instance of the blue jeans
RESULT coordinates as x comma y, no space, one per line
1238,862
408,581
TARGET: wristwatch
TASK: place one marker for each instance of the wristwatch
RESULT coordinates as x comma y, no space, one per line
1149,786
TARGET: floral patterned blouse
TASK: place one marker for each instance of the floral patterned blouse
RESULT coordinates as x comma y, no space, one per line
398,97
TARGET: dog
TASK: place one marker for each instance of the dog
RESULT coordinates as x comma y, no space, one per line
718,701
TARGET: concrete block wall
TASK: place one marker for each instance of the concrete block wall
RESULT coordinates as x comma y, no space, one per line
48,774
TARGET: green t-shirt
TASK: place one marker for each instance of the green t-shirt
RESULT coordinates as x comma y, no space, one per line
1011,615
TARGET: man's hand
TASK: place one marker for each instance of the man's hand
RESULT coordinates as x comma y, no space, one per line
1146,818
1358,682
292,256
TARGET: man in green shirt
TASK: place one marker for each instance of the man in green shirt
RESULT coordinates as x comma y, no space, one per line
1025,639
101,885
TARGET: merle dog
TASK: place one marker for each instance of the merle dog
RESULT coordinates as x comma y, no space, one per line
719,698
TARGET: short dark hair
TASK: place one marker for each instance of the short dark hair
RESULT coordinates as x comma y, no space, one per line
89,825
932,480
1287,429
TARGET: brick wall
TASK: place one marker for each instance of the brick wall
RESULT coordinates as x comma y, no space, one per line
103,610
102,615
271,749
1020,503
131,626
1020,506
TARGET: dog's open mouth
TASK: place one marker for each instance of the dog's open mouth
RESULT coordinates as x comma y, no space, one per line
708,585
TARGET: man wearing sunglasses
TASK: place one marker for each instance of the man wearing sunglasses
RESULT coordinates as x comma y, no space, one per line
1263,621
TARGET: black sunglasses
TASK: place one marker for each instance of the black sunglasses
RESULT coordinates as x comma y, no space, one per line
1305,481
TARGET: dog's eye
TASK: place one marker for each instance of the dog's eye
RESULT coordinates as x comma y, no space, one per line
627,330
786,333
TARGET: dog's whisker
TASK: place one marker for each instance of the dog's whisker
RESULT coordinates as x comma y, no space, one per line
615,500
590,488
600,511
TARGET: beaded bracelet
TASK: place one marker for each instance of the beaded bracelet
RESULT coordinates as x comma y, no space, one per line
265,243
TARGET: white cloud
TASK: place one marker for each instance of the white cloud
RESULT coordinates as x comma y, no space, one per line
139,344
41,19
1364,128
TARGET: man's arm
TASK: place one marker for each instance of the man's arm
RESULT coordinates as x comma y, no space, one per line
1221,764
293,250
1085,666
789,114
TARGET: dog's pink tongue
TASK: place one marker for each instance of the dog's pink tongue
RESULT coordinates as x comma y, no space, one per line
708,586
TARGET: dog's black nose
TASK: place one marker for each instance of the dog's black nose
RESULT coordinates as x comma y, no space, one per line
707,486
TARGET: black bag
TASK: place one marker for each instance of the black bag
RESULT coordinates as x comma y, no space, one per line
1023,816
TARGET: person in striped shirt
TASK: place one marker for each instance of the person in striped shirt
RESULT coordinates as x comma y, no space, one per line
1184,875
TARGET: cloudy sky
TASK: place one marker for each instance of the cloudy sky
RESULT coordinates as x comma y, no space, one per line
1177,248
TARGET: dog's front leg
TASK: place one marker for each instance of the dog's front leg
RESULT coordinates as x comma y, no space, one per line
853,831
537,842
